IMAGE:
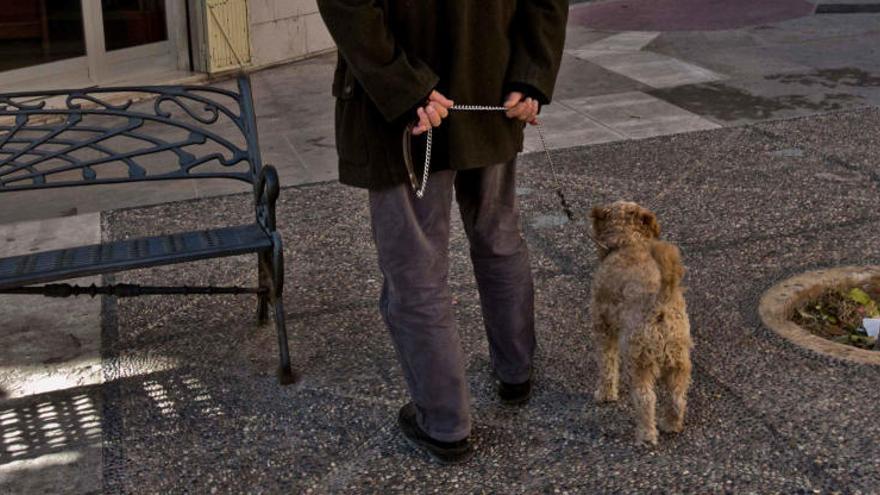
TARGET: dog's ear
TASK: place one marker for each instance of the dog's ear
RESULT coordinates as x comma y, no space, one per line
649,221
599,215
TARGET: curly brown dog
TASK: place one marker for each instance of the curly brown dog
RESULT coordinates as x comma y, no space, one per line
639,312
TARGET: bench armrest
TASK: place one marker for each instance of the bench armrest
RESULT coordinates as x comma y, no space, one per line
266,191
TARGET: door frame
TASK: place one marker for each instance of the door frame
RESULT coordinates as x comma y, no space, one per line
99,66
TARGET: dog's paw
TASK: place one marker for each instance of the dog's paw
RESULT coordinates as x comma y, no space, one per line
603,395
669,425
646,438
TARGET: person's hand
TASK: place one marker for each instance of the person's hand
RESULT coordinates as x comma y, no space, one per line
432,114
524,109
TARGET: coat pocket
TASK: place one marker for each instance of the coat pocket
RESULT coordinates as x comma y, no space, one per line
351,128
344,82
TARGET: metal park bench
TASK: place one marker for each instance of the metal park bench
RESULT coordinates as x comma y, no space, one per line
86,137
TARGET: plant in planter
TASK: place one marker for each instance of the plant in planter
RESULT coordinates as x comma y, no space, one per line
837,314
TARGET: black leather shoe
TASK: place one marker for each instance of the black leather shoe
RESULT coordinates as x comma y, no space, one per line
515,394
443,452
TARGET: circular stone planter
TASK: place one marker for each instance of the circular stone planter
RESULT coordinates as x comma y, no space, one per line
779,302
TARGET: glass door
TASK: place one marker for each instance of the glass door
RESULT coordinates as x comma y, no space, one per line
142,38
130,23
40,40
71,43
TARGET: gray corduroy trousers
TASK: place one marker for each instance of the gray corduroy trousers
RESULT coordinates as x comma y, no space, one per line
412,240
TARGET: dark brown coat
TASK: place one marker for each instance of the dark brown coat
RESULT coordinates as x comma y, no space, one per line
393,53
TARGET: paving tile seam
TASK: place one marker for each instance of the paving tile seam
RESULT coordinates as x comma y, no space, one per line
589,117
551,275
663,119
612,100
342,473
667,189
336,478
639,138
710,247
182,202
816,41
722,126
645,461
828,159
150,342
325,389
296,152
111,420
190,303
324,311
662,61
697,75
837,161
566,264
556,431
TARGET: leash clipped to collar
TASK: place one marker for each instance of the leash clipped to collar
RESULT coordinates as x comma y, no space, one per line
420,188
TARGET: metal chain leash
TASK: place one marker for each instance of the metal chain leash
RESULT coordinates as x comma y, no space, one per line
420,189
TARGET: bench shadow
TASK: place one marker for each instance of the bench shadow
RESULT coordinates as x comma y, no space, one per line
49,423
81,418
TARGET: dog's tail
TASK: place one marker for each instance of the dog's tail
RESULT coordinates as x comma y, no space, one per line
668,259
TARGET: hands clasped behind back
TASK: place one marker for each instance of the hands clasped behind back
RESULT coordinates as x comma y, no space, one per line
432,114
437,109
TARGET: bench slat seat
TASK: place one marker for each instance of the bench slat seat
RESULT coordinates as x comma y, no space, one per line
50,266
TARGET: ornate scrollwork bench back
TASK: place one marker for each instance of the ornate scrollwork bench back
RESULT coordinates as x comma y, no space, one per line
89,139
137,134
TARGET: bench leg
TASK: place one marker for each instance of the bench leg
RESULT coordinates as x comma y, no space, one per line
285,372
264,279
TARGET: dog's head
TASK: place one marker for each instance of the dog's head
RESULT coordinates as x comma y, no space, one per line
622,223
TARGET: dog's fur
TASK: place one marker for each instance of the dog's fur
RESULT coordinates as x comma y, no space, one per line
639,313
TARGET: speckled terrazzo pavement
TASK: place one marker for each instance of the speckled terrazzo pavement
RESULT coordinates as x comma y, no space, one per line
191,402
